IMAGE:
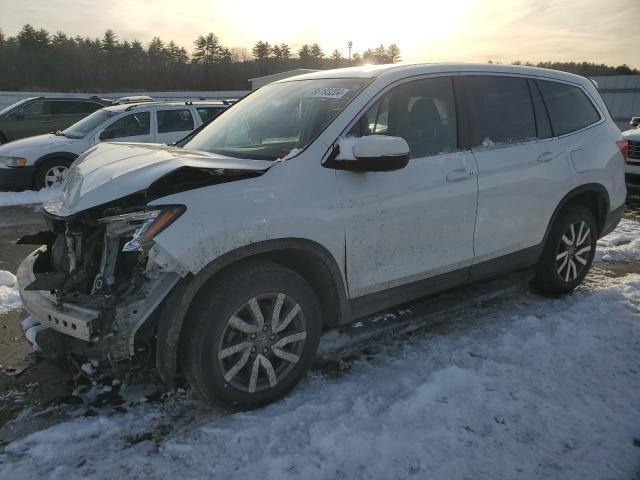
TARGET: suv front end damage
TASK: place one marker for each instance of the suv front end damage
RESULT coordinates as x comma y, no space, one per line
94,281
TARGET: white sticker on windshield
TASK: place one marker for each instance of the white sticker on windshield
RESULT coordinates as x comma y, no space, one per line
328,92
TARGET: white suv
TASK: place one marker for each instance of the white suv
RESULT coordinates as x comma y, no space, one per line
43,160
318,200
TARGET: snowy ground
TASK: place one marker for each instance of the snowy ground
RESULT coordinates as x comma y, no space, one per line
29,197
518,387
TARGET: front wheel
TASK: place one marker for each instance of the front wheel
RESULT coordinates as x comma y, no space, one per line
568,252
51,173
252,336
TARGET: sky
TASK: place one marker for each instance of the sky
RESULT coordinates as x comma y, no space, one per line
603,31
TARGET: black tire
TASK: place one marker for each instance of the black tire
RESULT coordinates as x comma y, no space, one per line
39,180
552,275
209,328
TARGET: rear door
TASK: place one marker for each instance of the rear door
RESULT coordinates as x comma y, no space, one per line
67,112
415,223
173,124
520,175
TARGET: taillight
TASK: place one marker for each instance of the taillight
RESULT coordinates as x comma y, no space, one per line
623,146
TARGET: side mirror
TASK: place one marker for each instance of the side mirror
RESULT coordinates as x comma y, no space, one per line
373,153
107,135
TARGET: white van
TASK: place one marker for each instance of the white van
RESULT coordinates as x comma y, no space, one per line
318,200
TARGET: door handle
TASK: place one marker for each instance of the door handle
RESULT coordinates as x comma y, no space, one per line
47,121
459,175
546,157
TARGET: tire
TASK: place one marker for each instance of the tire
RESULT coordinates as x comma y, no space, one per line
56,167
264,363
554,275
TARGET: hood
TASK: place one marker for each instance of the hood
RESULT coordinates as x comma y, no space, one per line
110,171
633,134
16,147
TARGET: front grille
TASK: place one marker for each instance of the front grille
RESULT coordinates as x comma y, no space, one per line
634,150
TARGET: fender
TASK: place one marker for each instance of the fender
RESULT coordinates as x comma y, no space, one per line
63,155
173,311
596,188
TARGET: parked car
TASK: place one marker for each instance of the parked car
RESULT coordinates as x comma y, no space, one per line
632,167
318,200
43,160
33,116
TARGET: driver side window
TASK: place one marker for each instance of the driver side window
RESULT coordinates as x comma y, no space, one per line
422,112
132,125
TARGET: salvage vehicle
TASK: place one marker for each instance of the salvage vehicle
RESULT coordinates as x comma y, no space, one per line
43,160
318,200
36,115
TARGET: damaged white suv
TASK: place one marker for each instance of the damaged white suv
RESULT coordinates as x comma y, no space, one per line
318,200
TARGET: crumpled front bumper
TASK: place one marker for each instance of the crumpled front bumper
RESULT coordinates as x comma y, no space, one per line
68,318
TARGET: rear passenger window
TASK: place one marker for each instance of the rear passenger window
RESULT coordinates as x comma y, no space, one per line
569,107
208,114
499,110
174,121
422,112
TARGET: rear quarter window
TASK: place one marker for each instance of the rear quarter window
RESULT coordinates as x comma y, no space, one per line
569,107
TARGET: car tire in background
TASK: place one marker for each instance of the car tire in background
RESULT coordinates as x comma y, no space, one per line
252,334
51,173
568,252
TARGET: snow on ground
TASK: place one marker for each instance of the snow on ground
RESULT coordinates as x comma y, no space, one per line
521,387
29,197
621,244
9,295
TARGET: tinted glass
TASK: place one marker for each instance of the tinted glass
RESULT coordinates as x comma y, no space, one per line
208,114
130,126
34,108
278,119
63,107
499,110
174,120
569,107
422,112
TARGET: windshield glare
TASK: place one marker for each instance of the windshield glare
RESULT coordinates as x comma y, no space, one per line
277,119
88,124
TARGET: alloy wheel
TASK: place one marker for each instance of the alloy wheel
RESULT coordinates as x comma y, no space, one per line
55,176
262,342
572,255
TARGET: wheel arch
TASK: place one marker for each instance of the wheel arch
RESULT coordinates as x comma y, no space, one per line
594,196
70,156
308,258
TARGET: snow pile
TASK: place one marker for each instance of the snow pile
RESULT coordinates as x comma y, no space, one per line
9,294
621,244
29,197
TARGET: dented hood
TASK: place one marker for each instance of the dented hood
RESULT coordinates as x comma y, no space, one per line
111,171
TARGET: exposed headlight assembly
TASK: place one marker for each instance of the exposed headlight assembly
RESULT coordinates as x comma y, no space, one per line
13,161
145,224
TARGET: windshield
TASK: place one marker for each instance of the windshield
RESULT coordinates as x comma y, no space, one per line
88,124
277,119
11,107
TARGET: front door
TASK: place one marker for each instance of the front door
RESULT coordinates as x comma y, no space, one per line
418,222
133,127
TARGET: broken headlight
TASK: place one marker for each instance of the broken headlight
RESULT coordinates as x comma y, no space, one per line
145,224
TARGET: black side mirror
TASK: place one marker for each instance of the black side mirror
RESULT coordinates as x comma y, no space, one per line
373,153
107,135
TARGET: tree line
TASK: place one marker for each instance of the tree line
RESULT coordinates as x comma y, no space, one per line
35,59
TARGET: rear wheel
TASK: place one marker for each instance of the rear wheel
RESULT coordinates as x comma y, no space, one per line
568,252
252,336
51,173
